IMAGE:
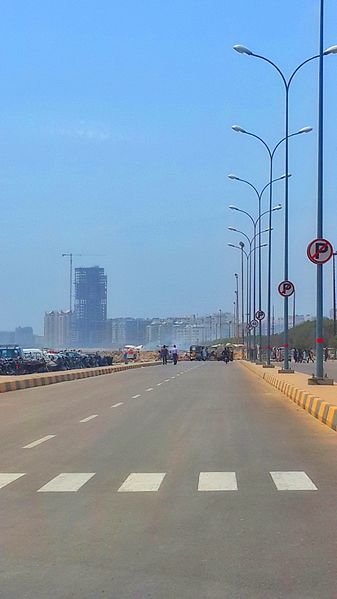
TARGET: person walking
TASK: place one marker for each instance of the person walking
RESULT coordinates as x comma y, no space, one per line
164,355
175,355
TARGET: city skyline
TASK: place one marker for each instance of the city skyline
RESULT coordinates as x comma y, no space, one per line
96,159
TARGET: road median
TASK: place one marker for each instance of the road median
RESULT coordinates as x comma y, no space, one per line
28,381
322,405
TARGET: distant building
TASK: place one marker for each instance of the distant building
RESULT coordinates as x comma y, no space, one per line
57,329
90,313
7,337
128,331
24,336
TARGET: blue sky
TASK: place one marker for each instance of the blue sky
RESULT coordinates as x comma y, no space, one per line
116,139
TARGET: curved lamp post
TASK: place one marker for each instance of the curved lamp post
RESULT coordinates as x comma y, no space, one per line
271,155
259,197
252,248
255,223
248,285
287,83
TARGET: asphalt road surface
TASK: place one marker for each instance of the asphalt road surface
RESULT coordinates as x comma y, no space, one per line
187,482
330,367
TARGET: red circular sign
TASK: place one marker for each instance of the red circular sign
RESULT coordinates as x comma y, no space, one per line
286,288
319,251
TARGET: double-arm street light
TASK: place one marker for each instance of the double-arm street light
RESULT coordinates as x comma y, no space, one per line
259,195
241,247
271,155
287,83
252,248
256,222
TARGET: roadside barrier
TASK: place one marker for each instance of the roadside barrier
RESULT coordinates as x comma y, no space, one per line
40,380
317,407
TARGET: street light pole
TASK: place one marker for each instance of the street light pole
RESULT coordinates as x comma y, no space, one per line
237,307
255,222
319,267
248,280
287,83
250,241
334,293
242,296
271,154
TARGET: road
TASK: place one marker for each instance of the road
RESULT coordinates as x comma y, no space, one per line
330,367
156,483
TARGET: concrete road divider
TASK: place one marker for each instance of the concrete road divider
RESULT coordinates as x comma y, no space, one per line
14,383
324,407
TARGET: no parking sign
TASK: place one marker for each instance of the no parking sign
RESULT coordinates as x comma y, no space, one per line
319,251
286,288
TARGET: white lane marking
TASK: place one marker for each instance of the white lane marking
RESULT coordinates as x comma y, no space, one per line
89,418
149,389
38,442
67,482
120,403
8,477
142,482
136,396
167,381
158,384
217,481
173,377
293,481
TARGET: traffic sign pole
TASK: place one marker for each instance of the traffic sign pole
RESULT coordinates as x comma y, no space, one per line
286,289
319,251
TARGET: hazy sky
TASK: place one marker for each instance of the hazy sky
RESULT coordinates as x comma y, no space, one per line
115,139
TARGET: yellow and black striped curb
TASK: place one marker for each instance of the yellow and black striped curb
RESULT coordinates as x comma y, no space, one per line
39,380
320,409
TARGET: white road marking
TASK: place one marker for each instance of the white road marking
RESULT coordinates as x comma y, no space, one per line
173,377
136,396
8,477
167,381
217,481
120,403
293,481
67,482
142,482
39,441
158,384
89,418
149,389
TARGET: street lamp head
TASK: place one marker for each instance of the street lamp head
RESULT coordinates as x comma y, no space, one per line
233,177
238,129
231,229
231,245
263,245
331,50
285,176
241,244
305,130
243,50
277,207
233,207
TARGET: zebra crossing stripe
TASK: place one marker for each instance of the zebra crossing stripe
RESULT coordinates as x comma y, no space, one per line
67,482
217,481
142,482
9,477
292,481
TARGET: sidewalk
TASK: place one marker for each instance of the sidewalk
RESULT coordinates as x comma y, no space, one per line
319,401
27,381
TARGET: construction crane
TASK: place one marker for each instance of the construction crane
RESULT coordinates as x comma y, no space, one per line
70,256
